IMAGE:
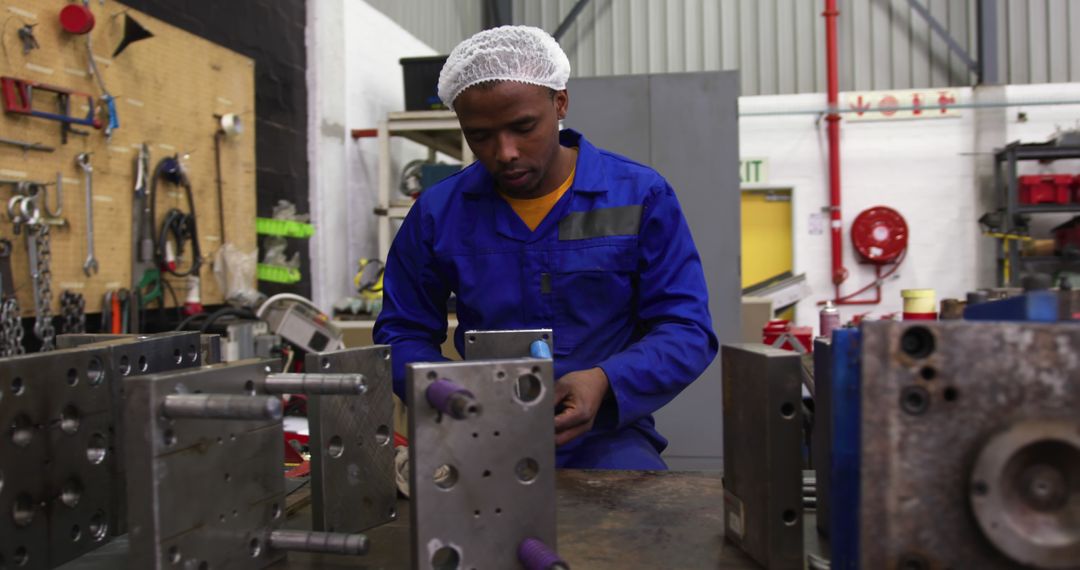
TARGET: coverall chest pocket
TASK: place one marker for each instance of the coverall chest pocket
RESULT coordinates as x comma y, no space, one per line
594,289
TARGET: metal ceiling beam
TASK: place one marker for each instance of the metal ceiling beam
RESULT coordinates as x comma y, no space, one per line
941,31
569,20
987,25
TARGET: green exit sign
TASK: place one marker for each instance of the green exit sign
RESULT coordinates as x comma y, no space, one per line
754,170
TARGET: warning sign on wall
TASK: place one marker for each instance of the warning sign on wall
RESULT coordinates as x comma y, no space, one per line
906,105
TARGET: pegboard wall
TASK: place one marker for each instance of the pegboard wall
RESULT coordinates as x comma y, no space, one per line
168,89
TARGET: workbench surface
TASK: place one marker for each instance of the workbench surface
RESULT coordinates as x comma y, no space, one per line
607,519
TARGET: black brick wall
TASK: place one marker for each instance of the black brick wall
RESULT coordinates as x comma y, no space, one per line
272,33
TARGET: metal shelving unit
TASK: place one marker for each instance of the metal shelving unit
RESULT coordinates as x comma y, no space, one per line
439,132
1007,183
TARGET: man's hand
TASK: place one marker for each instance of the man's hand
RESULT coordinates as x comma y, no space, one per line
580,395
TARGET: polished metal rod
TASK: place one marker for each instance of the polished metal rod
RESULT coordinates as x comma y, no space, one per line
319,542
316,384
222,407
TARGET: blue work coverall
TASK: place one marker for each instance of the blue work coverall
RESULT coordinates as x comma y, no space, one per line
612,270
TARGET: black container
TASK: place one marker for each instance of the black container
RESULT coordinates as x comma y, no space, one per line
421,76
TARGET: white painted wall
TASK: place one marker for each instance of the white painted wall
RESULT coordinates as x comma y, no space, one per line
354,80
925,169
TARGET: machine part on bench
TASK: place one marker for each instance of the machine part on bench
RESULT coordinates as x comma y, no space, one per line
480,487
487,345
452,399
352,451
821,434
317,384
999,436
202,492
135,355
319,542
763,491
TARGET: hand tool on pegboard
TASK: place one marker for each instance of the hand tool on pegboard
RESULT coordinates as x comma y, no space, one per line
90,266
19,99
79,20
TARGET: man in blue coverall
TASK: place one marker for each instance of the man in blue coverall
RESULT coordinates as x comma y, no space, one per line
545,230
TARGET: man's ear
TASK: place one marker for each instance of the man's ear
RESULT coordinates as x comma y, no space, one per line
562,103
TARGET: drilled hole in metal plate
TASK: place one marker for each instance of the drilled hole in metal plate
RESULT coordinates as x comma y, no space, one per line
526,470
325,363
476,513
472,339
22,510
979,488
95,372
69,420
96,449
790,517
499,375
169,437
178,356
445,476
249,387
787,410
71,493
928,373
386,355
545,336
221,518
192,354
914,400
255,547
498,511
76,533
335,447
22,431
125,365
487,473
275,511
950,394
143,364
17,387
393,513
432,375
174,555
445,558
917,342
528,388
99,527
228,477
382,435
72,377
21,557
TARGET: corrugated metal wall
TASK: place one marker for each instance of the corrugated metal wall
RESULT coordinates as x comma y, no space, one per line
779,45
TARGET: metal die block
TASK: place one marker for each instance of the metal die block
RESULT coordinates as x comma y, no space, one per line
821,436
203,493
763,453
488,345
353,483
970,450
25,411
483,484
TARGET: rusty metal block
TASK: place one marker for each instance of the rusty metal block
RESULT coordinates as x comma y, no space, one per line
763,453
970,445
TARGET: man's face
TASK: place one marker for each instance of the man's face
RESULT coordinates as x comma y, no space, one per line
513,129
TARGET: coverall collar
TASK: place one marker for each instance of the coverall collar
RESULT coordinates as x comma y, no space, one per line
589,177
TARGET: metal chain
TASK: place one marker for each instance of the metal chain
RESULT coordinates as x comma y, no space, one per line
43,326
72,313
11,330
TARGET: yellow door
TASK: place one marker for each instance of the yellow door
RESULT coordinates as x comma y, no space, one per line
766,235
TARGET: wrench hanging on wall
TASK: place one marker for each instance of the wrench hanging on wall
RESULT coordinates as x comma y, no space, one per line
90,266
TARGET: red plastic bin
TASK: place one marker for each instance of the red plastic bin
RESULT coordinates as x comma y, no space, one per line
1046,188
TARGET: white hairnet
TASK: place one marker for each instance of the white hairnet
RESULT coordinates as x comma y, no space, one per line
507,53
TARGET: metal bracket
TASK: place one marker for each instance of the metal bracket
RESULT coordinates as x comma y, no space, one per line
488,345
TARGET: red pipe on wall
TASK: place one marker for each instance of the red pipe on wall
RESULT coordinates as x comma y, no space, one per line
839,273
